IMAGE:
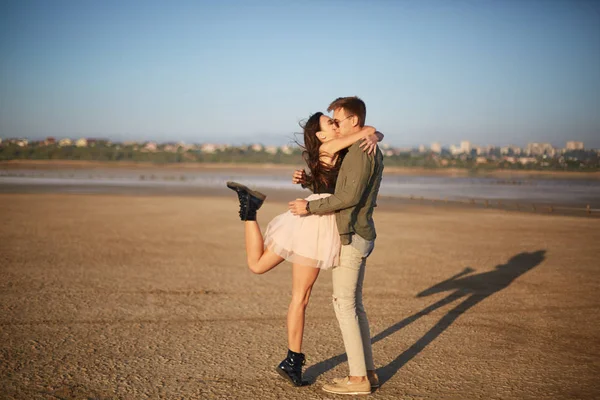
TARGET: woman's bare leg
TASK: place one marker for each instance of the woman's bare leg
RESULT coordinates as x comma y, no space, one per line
303,279
259,259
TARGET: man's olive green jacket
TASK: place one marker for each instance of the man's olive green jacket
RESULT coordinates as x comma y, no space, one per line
355,194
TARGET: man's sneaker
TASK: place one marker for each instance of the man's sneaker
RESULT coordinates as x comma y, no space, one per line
373,380
345,386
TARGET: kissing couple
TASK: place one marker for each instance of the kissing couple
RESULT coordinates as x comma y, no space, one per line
332,228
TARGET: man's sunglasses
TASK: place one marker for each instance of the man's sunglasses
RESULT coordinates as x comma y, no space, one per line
337,122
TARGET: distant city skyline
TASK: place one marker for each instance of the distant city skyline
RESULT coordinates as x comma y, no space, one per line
493,73
465,146
280,140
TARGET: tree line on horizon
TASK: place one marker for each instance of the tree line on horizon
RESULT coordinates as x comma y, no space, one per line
573,161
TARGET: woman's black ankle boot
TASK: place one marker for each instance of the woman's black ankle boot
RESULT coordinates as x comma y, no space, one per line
250,200
291,368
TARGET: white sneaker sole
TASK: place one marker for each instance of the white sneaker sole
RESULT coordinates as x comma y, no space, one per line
349,393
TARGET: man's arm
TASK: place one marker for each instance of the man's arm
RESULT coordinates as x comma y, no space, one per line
351,192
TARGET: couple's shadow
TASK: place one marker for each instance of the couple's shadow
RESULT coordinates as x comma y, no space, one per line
474,287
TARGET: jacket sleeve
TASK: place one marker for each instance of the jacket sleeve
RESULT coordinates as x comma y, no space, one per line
356,170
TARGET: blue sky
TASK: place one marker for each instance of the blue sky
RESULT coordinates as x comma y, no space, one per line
493,72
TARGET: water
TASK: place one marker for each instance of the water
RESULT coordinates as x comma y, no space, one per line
577,192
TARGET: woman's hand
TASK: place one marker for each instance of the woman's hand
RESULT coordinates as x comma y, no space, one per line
370,139
369,143
299,177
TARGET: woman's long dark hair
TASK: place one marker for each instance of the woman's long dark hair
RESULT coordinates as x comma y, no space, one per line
321,175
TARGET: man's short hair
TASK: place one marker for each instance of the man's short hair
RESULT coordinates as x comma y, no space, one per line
353,106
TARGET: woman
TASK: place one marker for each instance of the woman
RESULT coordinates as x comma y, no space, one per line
310,243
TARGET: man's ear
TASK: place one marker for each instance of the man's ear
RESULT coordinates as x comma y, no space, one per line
354,120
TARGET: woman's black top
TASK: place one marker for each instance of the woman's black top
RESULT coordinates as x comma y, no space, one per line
321,188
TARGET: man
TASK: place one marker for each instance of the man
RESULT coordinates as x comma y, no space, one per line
353,201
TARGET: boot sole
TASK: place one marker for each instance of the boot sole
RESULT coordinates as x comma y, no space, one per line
287,378
235,185
348,393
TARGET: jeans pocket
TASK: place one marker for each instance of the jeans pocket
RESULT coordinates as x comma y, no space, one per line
365,247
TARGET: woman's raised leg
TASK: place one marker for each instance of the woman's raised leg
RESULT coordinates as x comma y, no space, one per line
259,260
303,279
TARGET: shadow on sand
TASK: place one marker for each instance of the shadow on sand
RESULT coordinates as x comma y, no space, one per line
474,288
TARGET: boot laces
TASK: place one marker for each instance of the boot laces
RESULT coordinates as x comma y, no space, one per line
243,199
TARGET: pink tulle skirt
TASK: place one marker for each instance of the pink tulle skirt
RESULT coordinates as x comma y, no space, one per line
311,240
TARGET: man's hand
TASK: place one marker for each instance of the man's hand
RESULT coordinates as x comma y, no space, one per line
369,143
299,177
298,207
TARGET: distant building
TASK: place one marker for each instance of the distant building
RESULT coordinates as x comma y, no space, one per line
185,147
150,146
287,149
65,142
485,150
91,142
436,147
508,150
465,146
271,149
422,148
18,142
208,148
538,149
527,160
572,145
455,150
511,149
49,141
481,160
81,142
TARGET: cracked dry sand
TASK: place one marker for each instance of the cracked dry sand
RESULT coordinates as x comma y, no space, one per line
131,297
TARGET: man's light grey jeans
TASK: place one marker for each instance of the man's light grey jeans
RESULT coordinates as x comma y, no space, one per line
348,280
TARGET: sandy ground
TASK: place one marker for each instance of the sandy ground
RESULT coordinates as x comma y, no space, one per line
135,297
